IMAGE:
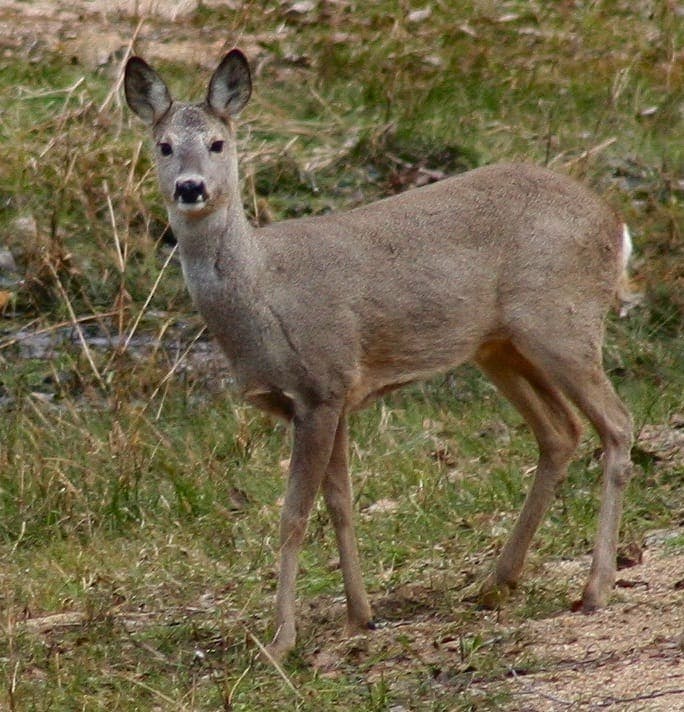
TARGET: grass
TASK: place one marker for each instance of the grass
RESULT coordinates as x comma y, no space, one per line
140,501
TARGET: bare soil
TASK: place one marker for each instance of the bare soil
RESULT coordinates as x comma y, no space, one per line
627,657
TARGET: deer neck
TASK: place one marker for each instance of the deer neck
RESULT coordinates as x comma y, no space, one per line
222,267
218,254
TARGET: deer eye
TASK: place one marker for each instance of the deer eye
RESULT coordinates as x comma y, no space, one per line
216,146
165,148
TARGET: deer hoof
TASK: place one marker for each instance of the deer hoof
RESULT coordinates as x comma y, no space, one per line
274,653
493,594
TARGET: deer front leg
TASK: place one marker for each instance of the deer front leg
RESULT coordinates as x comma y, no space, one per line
314,434
338,498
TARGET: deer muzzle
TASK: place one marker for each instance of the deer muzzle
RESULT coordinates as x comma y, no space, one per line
190,191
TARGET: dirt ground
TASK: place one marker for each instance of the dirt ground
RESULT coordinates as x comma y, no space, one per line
627,657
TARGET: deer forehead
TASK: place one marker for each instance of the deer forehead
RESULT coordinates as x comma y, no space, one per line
190,123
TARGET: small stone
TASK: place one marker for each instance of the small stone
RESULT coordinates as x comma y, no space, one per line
7,263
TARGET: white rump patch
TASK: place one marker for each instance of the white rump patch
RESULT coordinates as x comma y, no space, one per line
626,246
627,296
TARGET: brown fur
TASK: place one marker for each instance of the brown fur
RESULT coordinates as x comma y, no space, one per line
510,266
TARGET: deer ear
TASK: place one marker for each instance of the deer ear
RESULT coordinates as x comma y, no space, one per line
230,86
146,92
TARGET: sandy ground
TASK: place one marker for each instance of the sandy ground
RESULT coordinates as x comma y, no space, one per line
627,657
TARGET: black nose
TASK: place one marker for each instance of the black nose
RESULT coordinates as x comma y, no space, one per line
190,191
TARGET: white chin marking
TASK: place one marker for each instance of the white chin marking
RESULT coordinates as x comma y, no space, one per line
191,207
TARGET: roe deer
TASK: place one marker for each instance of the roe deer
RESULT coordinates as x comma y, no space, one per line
510,266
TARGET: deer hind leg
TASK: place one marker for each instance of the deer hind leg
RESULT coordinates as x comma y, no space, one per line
338,498
581,376
592,392
557,431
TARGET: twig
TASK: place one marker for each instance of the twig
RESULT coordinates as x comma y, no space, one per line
163,381
154,691
172,370
117,84
231,694
54,92
141,645
275,663
529,690
121,251
53,327
75,323
586,154
51,622
143,309
63,117
610,701
131,172
19,538
122,254
13,685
